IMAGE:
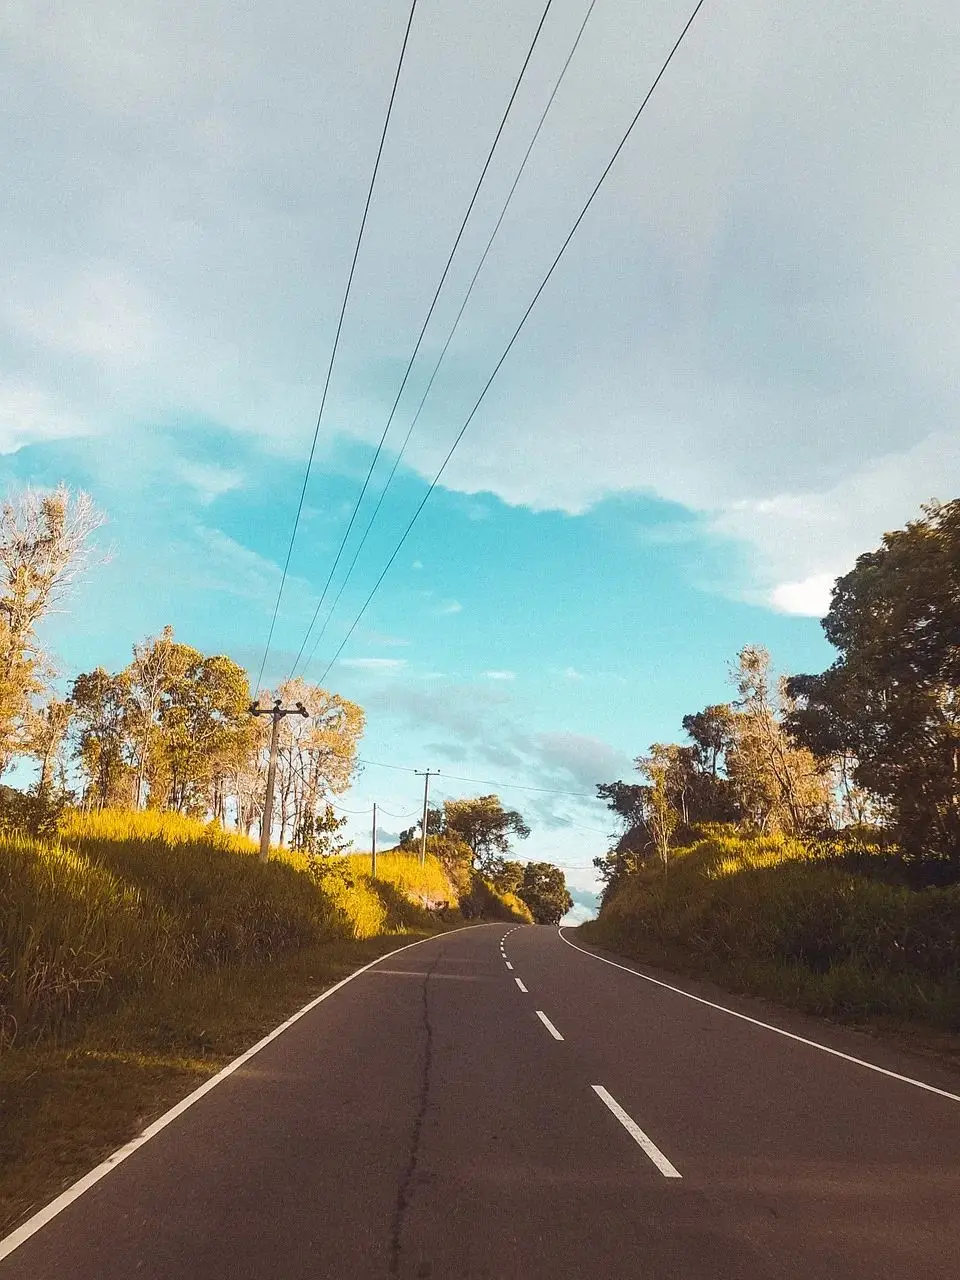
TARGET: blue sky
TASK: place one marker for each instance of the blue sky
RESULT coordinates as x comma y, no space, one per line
744,370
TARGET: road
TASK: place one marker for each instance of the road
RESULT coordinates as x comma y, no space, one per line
427,1122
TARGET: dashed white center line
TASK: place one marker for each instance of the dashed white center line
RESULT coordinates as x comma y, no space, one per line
649,1148
520,985
509,965
549,1025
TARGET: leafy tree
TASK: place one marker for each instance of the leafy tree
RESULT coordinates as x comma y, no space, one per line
712,733
506,876
201,710
46,731
101,704
484,825
544,890
708,793
317,833
891,700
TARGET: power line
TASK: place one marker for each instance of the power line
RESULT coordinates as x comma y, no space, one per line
516,333
482,782
446,345
420,337
336,340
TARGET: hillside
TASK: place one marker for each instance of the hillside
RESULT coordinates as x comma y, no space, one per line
814,928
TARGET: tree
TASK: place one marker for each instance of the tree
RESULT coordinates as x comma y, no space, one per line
506,876
662,813
44,543
712,733
544,890
45,734
316,755
779,785
708,793
202,707
101,705
891,700
158,664
317,834
485,826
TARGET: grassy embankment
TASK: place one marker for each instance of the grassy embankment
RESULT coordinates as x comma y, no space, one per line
775,918
141,952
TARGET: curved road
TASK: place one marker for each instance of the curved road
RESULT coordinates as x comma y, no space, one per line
495,1103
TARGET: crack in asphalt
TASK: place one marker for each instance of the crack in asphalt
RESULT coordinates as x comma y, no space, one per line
404,1189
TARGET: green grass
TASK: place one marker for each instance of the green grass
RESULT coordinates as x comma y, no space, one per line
774,917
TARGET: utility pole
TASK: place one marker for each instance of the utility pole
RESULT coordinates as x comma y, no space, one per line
426,774
276,712
373,844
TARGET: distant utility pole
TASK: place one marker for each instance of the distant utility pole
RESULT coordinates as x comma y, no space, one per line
277,713
426,774
373,844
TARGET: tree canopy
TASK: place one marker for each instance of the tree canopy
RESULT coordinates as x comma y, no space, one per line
544,890
891,700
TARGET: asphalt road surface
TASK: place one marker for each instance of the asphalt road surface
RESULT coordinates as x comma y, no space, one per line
495,1103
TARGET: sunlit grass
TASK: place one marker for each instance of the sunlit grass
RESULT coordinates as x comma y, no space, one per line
428,884
129,901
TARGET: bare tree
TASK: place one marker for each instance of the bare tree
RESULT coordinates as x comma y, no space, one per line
44,544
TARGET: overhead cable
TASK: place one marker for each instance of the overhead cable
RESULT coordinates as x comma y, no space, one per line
420,337
509,347
336,343
450,336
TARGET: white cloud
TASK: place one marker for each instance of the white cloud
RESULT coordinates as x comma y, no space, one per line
29,414
453,607
810,598
98,313
757,309
210,481
571,673
373,664
500,675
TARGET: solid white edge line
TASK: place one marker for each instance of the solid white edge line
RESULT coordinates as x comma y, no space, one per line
49,1212
520,985
549,1025
767,1026
649,1147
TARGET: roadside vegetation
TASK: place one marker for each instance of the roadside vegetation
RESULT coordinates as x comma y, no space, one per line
804,841
141,951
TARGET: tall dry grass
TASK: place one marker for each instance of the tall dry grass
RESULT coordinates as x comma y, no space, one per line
126,901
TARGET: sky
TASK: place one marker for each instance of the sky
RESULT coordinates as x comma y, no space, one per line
742,372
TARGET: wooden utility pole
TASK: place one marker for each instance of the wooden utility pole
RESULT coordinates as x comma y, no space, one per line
276,712
426,774
373,844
